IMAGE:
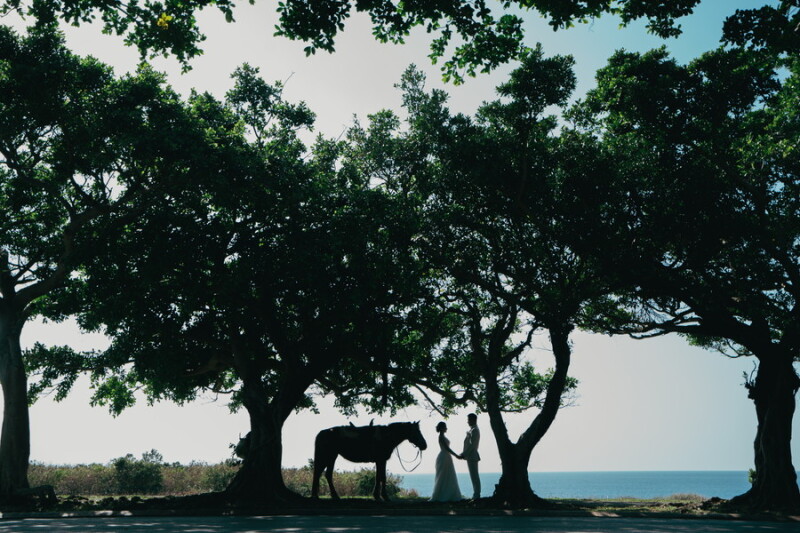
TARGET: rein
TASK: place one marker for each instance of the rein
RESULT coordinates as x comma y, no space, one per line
402,463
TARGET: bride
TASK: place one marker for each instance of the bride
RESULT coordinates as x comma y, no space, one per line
445,485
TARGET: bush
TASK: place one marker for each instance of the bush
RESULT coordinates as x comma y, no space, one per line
184,479
150,475
93,479
139,476
217,477
88,479
359,483
365,483
299,480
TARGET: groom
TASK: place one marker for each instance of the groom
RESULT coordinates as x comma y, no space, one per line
470,454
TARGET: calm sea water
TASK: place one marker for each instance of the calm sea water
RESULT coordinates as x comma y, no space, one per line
604,484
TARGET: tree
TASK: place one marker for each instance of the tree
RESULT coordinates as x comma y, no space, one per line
487,201
696,220
771,27
485,40
265,273
76,144
512,211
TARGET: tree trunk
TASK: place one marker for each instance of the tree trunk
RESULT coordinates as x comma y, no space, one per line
15,438
773,392
260,479
514,487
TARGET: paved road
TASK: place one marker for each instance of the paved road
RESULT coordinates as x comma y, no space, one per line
385,524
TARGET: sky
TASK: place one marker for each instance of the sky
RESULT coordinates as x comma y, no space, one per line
658,404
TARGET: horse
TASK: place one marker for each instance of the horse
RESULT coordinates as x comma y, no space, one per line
365,444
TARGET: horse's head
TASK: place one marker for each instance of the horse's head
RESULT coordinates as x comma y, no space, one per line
415,437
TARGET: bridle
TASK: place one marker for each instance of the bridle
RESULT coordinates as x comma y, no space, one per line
402,463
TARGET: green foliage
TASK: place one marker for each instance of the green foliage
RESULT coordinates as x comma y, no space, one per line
57,367
93,479
349,484
365,483
253,268
142,476
501,275
772,27
703,185
81,149
473,34
260,106
193,478
216,478
695,220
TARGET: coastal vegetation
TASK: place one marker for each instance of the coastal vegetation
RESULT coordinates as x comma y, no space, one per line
149,477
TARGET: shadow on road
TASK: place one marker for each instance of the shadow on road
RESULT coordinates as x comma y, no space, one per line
388,524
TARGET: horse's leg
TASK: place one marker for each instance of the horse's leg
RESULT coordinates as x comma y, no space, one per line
318,468
380,481
322,457
329,477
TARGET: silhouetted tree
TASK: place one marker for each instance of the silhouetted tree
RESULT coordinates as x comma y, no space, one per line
268,271
76,144
503,272
698,221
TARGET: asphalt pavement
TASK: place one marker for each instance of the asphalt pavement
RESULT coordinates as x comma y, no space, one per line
388,524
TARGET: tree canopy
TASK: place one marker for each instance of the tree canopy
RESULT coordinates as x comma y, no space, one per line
78,146
491,233
264,271
219,252
470,36
697,219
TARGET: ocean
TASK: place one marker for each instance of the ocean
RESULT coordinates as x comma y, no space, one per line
601,485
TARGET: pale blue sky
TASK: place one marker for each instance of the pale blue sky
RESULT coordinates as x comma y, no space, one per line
643,405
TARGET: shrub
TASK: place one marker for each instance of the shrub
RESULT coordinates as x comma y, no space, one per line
365,483
184,479
139,476
150,475
359,483
299,480
217,477
686,498
93,479
40,474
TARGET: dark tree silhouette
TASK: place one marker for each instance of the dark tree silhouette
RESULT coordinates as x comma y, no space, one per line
76,145
697,221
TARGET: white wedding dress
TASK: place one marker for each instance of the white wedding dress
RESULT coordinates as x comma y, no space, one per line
445,485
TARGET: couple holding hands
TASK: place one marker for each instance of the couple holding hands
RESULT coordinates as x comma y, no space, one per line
445,485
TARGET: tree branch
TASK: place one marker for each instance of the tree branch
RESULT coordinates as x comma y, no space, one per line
32,292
